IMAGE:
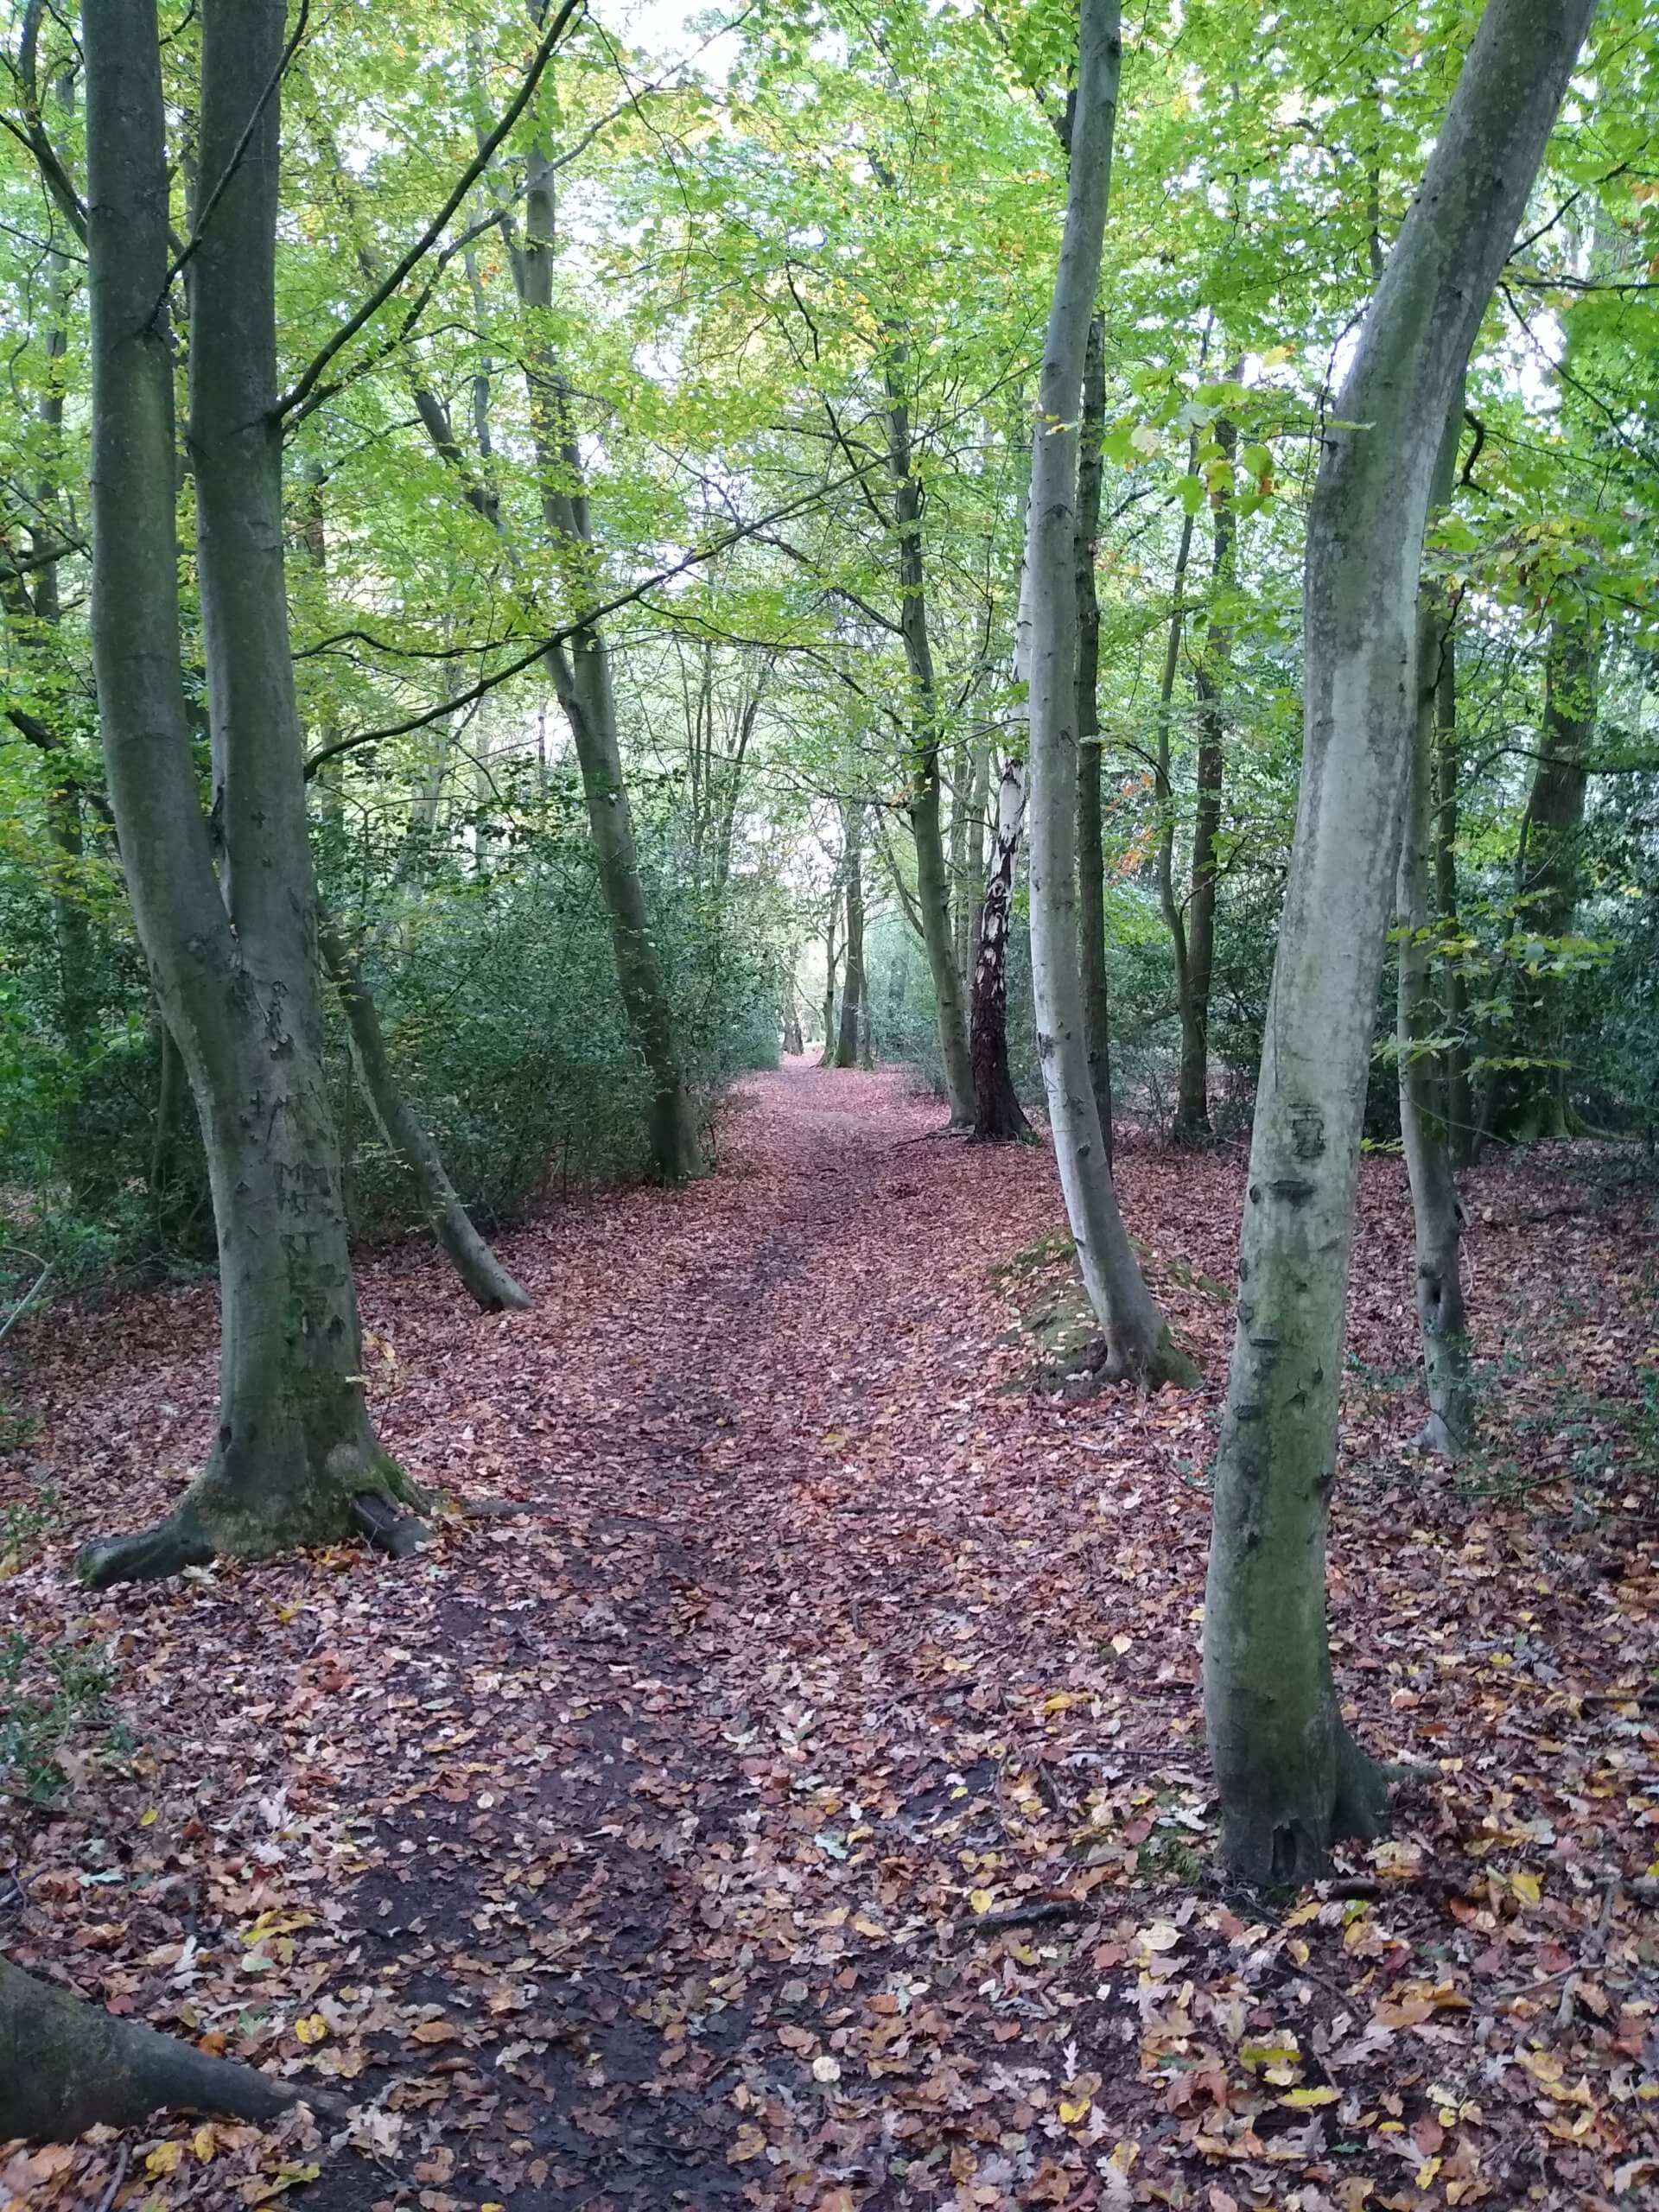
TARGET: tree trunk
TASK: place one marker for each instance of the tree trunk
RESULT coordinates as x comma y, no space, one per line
481,1273
582,679
1291,1777
1138,1339
794,1043
1459,1100
234,962
67,2066
1546,873
932,876
1193,1101
1091,858
1175,920
852,988
1436,1215
826,1058
998,1115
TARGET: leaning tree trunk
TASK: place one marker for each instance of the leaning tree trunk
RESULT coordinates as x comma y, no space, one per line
1437,1218
1091,857
1291,1777
1139,1344
998,1115
932,876
482,1274
67,2066
852,986
1192,1098
234,960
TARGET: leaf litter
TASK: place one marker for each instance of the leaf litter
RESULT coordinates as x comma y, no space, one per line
805,1803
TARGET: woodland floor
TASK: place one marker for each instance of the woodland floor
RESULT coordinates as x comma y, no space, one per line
663,1848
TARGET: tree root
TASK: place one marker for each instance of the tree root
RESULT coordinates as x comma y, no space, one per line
148,1555
386,1527
67,2066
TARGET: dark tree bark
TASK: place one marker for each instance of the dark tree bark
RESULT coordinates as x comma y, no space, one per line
1193,1101
233,957
1459,1097
998,1118
852,986
1532,1101
1091,858
1292,1778
932,876
1437,1217
67,2066
494,1287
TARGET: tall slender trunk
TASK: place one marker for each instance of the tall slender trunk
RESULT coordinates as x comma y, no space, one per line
1436,1216
794,1043
1291,1777
826,1058
932,876
582,679
998,1115
1138,1339
1458,1092
1091,858
234,961
852,988
1193,1101
481,1272
1532,1099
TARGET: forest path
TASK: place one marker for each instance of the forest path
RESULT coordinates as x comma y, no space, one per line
650,1849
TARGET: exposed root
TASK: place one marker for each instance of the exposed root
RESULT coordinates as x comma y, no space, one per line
66,2066
149,1555
386,1527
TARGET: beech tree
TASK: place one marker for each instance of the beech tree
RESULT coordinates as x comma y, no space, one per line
223,897
1292,1778
1139,1343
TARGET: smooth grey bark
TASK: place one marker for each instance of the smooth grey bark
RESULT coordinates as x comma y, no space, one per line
1292,1778
481,1272
1091,858
67,2066
232,955
1192,1098
852,986
1437,1218
1139,1344
998,1115
932,875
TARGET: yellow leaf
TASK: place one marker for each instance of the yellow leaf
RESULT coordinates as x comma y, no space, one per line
750,2143
312,2028
1070,2113
1301,2099
149,1820
1527,1887
164,2158
1303,1914
204,2143
1428,2171
981,1900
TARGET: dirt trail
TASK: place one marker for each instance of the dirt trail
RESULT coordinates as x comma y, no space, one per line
636,1853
